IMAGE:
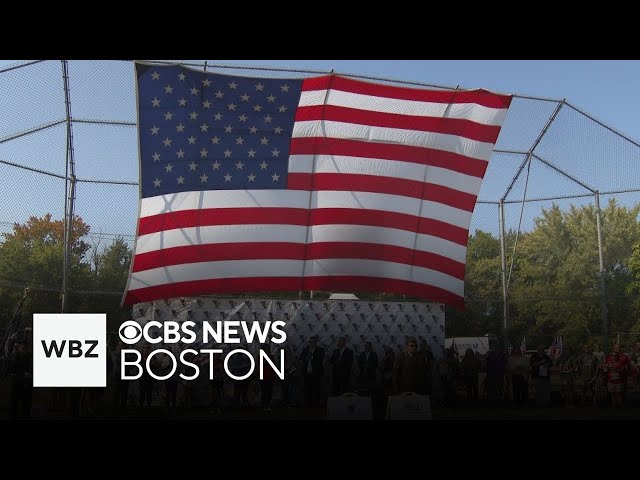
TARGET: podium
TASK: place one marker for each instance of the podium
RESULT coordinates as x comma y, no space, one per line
409,406
349,406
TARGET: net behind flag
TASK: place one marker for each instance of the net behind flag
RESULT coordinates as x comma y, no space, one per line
324,183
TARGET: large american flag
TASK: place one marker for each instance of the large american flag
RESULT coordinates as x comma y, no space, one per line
325,183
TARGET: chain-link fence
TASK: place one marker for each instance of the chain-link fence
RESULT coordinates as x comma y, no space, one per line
556,220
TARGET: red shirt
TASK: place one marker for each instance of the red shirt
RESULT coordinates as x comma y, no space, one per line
616,369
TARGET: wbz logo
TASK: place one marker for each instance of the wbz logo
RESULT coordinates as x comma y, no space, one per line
74,350
69,350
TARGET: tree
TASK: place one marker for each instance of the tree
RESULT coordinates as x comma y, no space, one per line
112,266
633,288
483,290
557,289
32,255
110,272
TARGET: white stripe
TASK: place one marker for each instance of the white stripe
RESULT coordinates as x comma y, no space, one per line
446,214
223,199
388,236
299,199
220,234
212,270
454,180
373,134
467,111
293,268
298,234
446,248
366,201
385,168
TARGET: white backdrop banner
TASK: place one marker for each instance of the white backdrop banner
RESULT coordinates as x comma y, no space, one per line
384,324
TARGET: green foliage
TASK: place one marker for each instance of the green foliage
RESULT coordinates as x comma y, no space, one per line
633,287
32,254
555,284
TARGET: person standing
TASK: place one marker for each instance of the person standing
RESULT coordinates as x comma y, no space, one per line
368,368
587,373
21,372
470,370
540,364
408,369
518,367
616,366
342,362
312,364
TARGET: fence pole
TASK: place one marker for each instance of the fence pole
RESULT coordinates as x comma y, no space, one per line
70,193
603,284
503,256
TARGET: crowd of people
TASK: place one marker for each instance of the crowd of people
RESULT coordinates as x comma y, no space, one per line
313,375
317,373
588,376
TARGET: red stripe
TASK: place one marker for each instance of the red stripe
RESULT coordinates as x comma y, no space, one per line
222,216
479,96
287,284
319,216
388,151
451,126
295,251
379,184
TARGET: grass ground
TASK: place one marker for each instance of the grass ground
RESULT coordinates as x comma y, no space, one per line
49,406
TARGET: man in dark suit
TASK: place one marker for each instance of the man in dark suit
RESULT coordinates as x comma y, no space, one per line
368,368
342,361
311,362
408,369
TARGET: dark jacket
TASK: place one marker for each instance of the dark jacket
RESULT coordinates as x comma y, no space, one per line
317,361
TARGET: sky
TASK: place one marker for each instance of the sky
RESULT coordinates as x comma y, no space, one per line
607,90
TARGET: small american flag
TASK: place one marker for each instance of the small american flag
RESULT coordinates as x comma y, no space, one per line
523,345
555,350
509,347
325,183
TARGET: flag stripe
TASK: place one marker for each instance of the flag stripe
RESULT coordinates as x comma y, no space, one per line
468,111
383,168
319,200
385,185
253,216
296,251
389,151
288,284
224,199
221,216
450,126
295,268
349,232
371,133
481,97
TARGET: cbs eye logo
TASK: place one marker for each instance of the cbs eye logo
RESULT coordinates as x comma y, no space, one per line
130,332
